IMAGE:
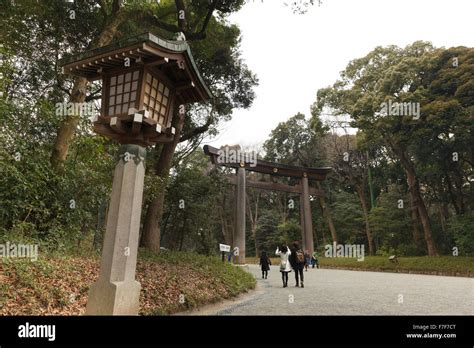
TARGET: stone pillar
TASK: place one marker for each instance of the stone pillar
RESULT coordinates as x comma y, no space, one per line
116,292
308,224
239,232
303,234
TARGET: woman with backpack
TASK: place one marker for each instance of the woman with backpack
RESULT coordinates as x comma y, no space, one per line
297,261
285,266
265,264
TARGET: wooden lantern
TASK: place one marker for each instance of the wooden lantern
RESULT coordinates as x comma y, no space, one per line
143,79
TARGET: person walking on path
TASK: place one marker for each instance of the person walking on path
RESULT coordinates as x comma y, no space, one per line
307,260
265,263
315,259
285,266
297,263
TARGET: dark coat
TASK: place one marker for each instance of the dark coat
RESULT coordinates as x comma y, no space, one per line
294,261
265,263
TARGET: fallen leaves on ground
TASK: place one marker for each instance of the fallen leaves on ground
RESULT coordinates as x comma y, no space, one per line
60,285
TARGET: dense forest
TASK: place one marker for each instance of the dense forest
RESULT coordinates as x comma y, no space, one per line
401,183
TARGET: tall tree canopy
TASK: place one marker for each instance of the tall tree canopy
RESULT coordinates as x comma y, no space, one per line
418,75
37,34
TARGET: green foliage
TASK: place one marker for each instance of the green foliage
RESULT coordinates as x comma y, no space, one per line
268,237
35,35
391,224
37,204
346,212
289,232
435,149
38,34
462,228
295,141
190,219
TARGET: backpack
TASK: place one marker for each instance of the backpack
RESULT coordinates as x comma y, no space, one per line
299,256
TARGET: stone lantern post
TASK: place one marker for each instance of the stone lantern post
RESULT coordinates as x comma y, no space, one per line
144,79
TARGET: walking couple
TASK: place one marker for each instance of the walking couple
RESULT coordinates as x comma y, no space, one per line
291,258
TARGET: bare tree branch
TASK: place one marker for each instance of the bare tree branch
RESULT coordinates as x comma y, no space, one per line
182,17
116,6
150,17
208,16
93,97
103,9
197,130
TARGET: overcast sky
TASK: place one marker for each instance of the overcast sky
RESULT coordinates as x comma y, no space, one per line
295,55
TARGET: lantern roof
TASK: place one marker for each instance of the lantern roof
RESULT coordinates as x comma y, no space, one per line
173,58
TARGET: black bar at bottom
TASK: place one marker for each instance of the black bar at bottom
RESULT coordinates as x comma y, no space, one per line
194,330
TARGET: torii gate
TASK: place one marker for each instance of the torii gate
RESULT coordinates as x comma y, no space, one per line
304,174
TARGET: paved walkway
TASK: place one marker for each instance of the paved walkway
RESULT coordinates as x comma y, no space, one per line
341,292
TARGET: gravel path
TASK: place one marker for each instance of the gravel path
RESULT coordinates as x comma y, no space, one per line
341,292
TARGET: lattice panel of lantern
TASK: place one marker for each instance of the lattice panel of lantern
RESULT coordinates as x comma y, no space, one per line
123,91
156,99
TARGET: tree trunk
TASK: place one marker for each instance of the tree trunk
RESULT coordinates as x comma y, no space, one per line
414,190
458,184
324,239
281,206
101,222
327,215
182,234
227,232
254,236
151,226
151,229
422,211
68,126
415,222
361,193
452,196
253,230
418,202
253,217
442,218
165,224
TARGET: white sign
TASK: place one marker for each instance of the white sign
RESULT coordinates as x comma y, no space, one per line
224,247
